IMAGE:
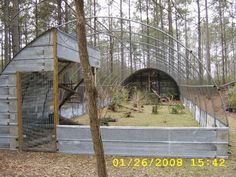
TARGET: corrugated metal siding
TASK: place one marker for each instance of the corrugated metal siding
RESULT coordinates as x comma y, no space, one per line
141,141
67,48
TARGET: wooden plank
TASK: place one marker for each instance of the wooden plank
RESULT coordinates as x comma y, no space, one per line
67,89
19,109
67,97
55,79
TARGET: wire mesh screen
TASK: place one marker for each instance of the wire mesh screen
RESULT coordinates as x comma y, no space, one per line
71,90
37,111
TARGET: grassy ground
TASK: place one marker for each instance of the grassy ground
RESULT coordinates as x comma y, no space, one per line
146,118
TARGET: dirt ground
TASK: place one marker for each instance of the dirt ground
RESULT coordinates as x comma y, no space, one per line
39,164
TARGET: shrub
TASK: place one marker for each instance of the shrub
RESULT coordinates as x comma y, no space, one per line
137,98
171,95
150,98
119,96
176,109
106,120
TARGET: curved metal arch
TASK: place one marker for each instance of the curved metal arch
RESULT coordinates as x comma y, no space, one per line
193,67
160,59
156,39
182,63
155,28
141,23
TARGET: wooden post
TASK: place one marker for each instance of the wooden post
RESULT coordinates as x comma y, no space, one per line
19,110
55,79
95,76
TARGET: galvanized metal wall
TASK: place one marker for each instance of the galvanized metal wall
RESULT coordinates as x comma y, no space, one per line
67,49
204,118
36,56
143,141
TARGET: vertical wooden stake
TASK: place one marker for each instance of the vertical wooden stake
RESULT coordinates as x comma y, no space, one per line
95,76
19,110
55,79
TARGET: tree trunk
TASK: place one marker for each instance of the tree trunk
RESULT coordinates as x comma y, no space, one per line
161,15
121,38
95,25
162,52
59,14
6,30
66,16
178,47
26,33
90,90
234,53
111,41
207,43
222,42
199,41
148,52
15,28
130,41
171,43
36,19
186,44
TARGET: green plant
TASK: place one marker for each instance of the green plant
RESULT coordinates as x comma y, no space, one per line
119,96
232,96
171,94
106,120
176,109
150,98
137,99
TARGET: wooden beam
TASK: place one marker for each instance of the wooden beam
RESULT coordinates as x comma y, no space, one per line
67,64
67,89
55,79
70,94
19,109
